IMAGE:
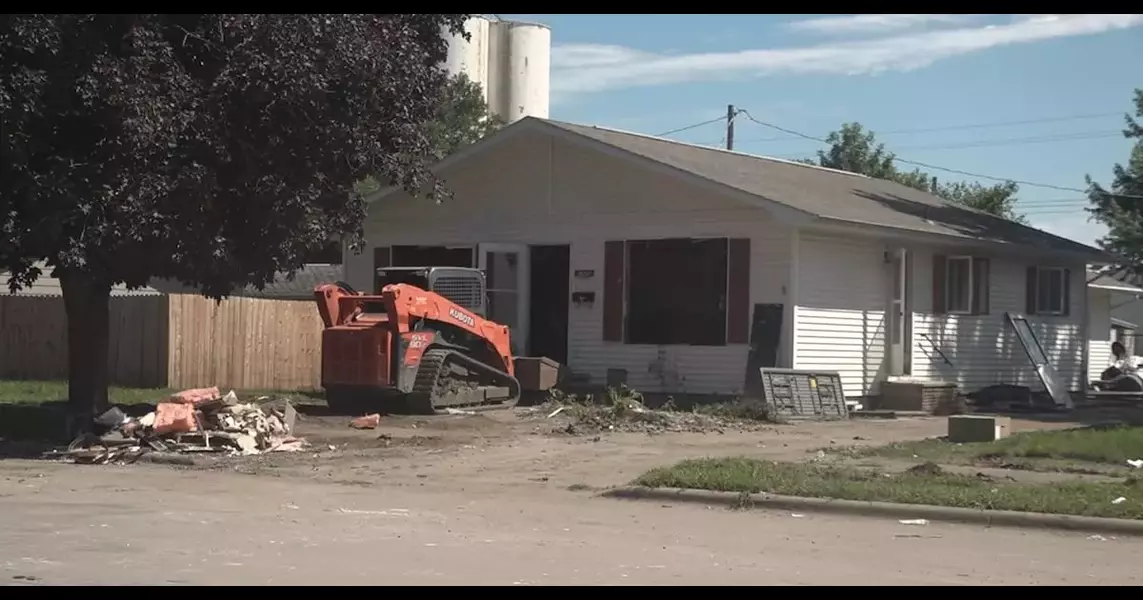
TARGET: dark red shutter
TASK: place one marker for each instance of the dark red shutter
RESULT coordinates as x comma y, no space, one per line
1067,292
381,259
980,286
1030,291
613,271
738,292
940,268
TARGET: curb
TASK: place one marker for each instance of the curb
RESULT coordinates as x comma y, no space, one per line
992,518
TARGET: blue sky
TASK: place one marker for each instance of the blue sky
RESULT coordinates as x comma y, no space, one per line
1038,98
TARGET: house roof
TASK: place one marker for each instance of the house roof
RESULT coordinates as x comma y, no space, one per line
46,285
300,288
1112,281
1117,322
828,196
831,194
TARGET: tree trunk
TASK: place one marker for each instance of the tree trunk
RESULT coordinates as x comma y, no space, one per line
87,301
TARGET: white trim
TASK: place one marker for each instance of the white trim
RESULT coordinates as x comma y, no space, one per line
1116,288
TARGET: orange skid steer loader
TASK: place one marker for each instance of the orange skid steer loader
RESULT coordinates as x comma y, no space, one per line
421,346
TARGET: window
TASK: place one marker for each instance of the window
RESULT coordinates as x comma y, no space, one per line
960,285
1047,290
676,292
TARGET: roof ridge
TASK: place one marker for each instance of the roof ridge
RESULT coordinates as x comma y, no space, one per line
712,148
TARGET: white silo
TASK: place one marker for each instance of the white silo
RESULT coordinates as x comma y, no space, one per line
529,70
470,57
512,62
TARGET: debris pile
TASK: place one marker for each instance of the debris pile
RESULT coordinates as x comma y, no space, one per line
198,420
623,410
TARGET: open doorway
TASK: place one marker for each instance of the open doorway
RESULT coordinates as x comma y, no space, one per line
550,291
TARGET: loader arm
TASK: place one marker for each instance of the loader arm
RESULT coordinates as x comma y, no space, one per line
407,304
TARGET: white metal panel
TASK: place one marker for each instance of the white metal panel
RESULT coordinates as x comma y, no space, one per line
983,349
1099,332
841,310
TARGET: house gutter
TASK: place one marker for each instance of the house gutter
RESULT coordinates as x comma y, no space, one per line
876,230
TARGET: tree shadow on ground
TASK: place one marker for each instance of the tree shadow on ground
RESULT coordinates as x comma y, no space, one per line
29,430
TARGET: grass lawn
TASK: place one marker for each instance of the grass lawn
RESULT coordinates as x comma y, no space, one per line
34,410
1094,446
931,488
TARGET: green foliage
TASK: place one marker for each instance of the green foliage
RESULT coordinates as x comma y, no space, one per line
461,119
1121,206
214,149
854,149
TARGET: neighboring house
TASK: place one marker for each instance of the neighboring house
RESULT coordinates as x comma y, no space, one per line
301,287
616,252
1106,294
1128,310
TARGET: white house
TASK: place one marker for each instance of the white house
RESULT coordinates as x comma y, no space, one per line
1114,308
613,251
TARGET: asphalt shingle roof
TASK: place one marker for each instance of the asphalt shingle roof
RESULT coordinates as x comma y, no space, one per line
831,194
301,288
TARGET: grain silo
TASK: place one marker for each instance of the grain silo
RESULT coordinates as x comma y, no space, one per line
511,60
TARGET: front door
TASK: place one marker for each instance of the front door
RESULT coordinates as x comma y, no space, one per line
899,317
505,268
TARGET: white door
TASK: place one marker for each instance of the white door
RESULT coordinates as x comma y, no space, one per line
898,320
506,269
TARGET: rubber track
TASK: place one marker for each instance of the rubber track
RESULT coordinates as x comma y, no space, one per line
420,399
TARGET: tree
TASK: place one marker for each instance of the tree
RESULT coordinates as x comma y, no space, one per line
1121,206
214,149
854,149
462,118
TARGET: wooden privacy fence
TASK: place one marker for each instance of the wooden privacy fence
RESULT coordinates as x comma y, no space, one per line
175,341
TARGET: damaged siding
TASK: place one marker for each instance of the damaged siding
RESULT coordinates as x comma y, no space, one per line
983,349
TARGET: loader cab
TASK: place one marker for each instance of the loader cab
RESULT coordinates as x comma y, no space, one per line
462,286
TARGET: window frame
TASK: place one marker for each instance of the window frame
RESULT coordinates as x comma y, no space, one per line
725,300
1060,291
969,281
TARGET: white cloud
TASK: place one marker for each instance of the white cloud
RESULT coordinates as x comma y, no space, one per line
865,24
580,68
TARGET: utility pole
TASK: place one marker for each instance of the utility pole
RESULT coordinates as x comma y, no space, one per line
730,126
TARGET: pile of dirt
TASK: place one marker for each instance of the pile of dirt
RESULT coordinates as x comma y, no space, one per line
192,421
623,410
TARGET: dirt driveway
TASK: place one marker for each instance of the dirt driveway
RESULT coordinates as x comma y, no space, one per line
523,449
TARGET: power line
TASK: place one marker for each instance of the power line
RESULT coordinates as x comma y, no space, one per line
1065,137
937,167
721,119
974,125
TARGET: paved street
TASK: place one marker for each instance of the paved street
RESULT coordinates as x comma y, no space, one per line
152,525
